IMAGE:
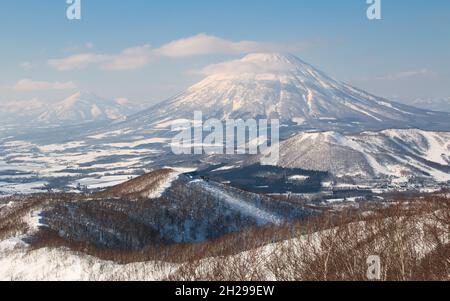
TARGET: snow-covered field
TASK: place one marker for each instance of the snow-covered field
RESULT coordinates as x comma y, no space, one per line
25,167
22,188
17,262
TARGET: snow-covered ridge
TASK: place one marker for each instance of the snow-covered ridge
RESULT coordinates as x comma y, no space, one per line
150,186
84,106
17,262
439,104
399,154
78,108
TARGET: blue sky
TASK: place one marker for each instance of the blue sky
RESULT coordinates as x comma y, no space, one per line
147,51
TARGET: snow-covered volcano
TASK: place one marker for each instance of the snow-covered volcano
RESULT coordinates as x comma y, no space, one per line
273,85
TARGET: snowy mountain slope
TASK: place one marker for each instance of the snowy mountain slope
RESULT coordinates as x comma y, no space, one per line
20,111
435,104
273,85
82,107
19,263
261,215
400,154
149,186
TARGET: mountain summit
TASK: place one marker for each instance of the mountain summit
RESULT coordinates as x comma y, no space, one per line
81,107
85,106
275,85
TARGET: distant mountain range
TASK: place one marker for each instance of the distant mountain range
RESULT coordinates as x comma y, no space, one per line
327,126
435,104
78,108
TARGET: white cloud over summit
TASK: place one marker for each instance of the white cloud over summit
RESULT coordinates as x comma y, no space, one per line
141,56
203,44
248,65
